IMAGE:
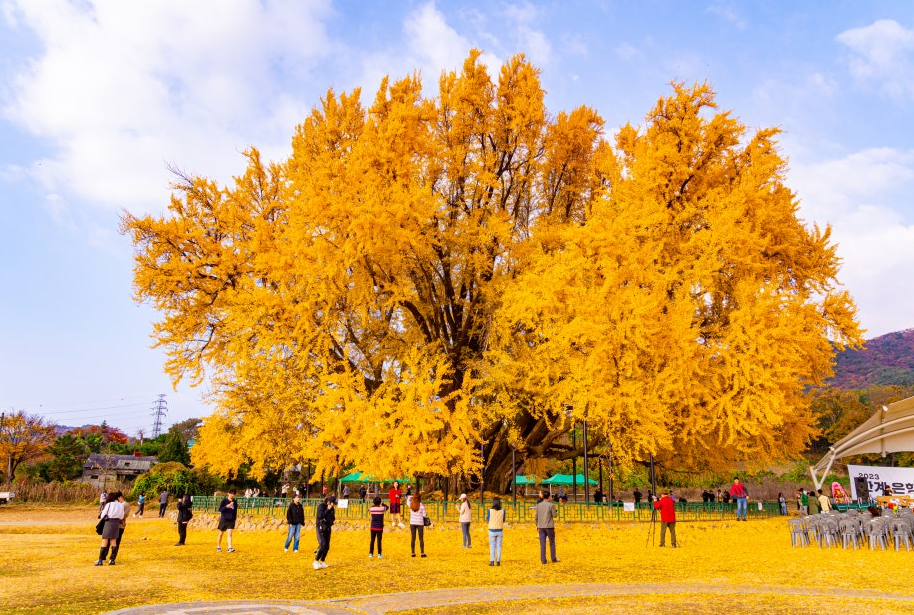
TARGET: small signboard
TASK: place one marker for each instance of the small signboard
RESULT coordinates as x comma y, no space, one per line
628,506
342,503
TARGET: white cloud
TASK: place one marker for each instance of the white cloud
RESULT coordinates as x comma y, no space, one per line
120,89
729,13
625,51
863,197
432,46
882,54
530,40
433,41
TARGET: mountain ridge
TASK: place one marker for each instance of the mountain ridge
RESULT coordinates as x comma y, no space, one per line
887,360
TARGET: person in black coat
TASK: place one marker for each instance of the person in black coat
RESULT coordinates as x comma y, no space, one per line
326,516
185,514
295,516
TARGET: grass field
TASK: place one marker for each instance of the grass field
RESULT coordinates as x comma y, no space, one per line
46,557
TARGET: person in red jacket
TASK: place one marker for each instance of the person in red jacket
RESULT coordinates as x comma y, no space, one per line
667,508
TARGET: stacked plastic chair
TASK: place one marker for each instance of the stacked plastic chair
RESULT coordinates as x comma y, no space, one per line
876,532
849,532
902,532
799,535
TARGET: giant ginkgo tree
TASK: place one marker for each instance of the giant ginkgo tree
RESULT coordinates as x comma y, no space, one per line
429,283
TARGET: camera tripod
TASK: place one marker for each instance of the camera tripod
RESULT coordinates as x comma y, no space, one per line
652,527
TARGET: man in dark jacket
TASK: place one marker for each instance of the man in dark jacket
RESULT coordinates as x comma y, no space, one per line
295,516
667,507
185,514
326,515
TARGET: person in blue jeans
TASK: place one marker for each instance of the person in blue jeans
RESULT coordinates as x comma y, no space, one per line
738,493
295,516
496,519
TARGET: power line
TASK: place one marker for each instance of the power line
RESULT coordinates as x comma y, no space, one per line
91,409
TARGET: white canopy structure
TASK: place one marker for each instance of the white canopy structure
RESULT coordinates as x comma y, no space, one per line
890,430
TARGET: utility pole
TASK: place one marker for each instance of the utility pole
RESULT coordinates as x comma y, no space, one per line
159,410
8,477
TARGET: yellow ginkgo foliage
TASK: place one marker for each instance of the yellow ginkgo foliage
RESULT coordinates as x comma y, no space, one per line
427,275
690,313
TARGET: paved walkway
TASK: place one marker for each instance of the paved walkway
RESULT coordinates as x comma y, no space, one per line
379,604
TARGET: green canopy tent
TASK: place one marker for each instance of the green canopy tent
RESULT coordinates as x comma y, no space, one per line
527,481
567,480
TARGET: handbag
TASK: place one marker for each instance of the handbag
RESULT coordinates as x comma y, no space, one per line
426,521
100,526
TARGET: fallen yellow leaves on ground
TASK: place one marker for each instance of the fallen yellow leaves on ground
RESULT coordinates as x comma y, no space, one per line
46,558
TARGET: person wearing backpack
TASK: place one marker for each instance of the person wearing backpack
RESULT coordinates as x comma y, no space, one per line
185,514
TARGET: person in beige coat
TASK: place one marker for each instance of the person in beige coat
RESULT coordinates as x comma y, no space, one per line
824,502
466,515
496,519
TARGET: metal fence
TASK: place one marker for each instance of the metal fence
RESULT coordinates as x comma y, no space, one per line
520,512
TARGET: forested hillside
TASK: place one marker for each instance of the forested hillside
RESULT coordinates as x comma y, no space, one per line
887,360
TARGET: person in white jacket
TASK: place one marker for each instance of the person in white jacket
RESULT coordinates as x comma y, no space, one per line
466,515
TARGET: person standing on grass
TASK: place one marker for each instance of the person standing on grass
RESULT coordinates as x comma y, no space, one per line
812,502
377,524
163,502
185,514
119,497
496,518
417,524
394,496
738,493
114,512
141,505
295,517
824,504
782,503
228,513
466,515
545,525
667,507
326,516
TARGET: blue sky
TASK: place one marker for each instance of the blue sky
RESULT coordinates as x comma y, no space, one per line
97,97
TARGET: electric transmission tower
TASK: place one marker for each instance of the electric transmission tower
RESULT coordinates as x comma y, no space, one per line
159,410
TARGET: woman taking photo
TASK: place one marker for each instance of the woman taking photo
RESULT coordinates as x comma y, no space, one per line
417,524
113,512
